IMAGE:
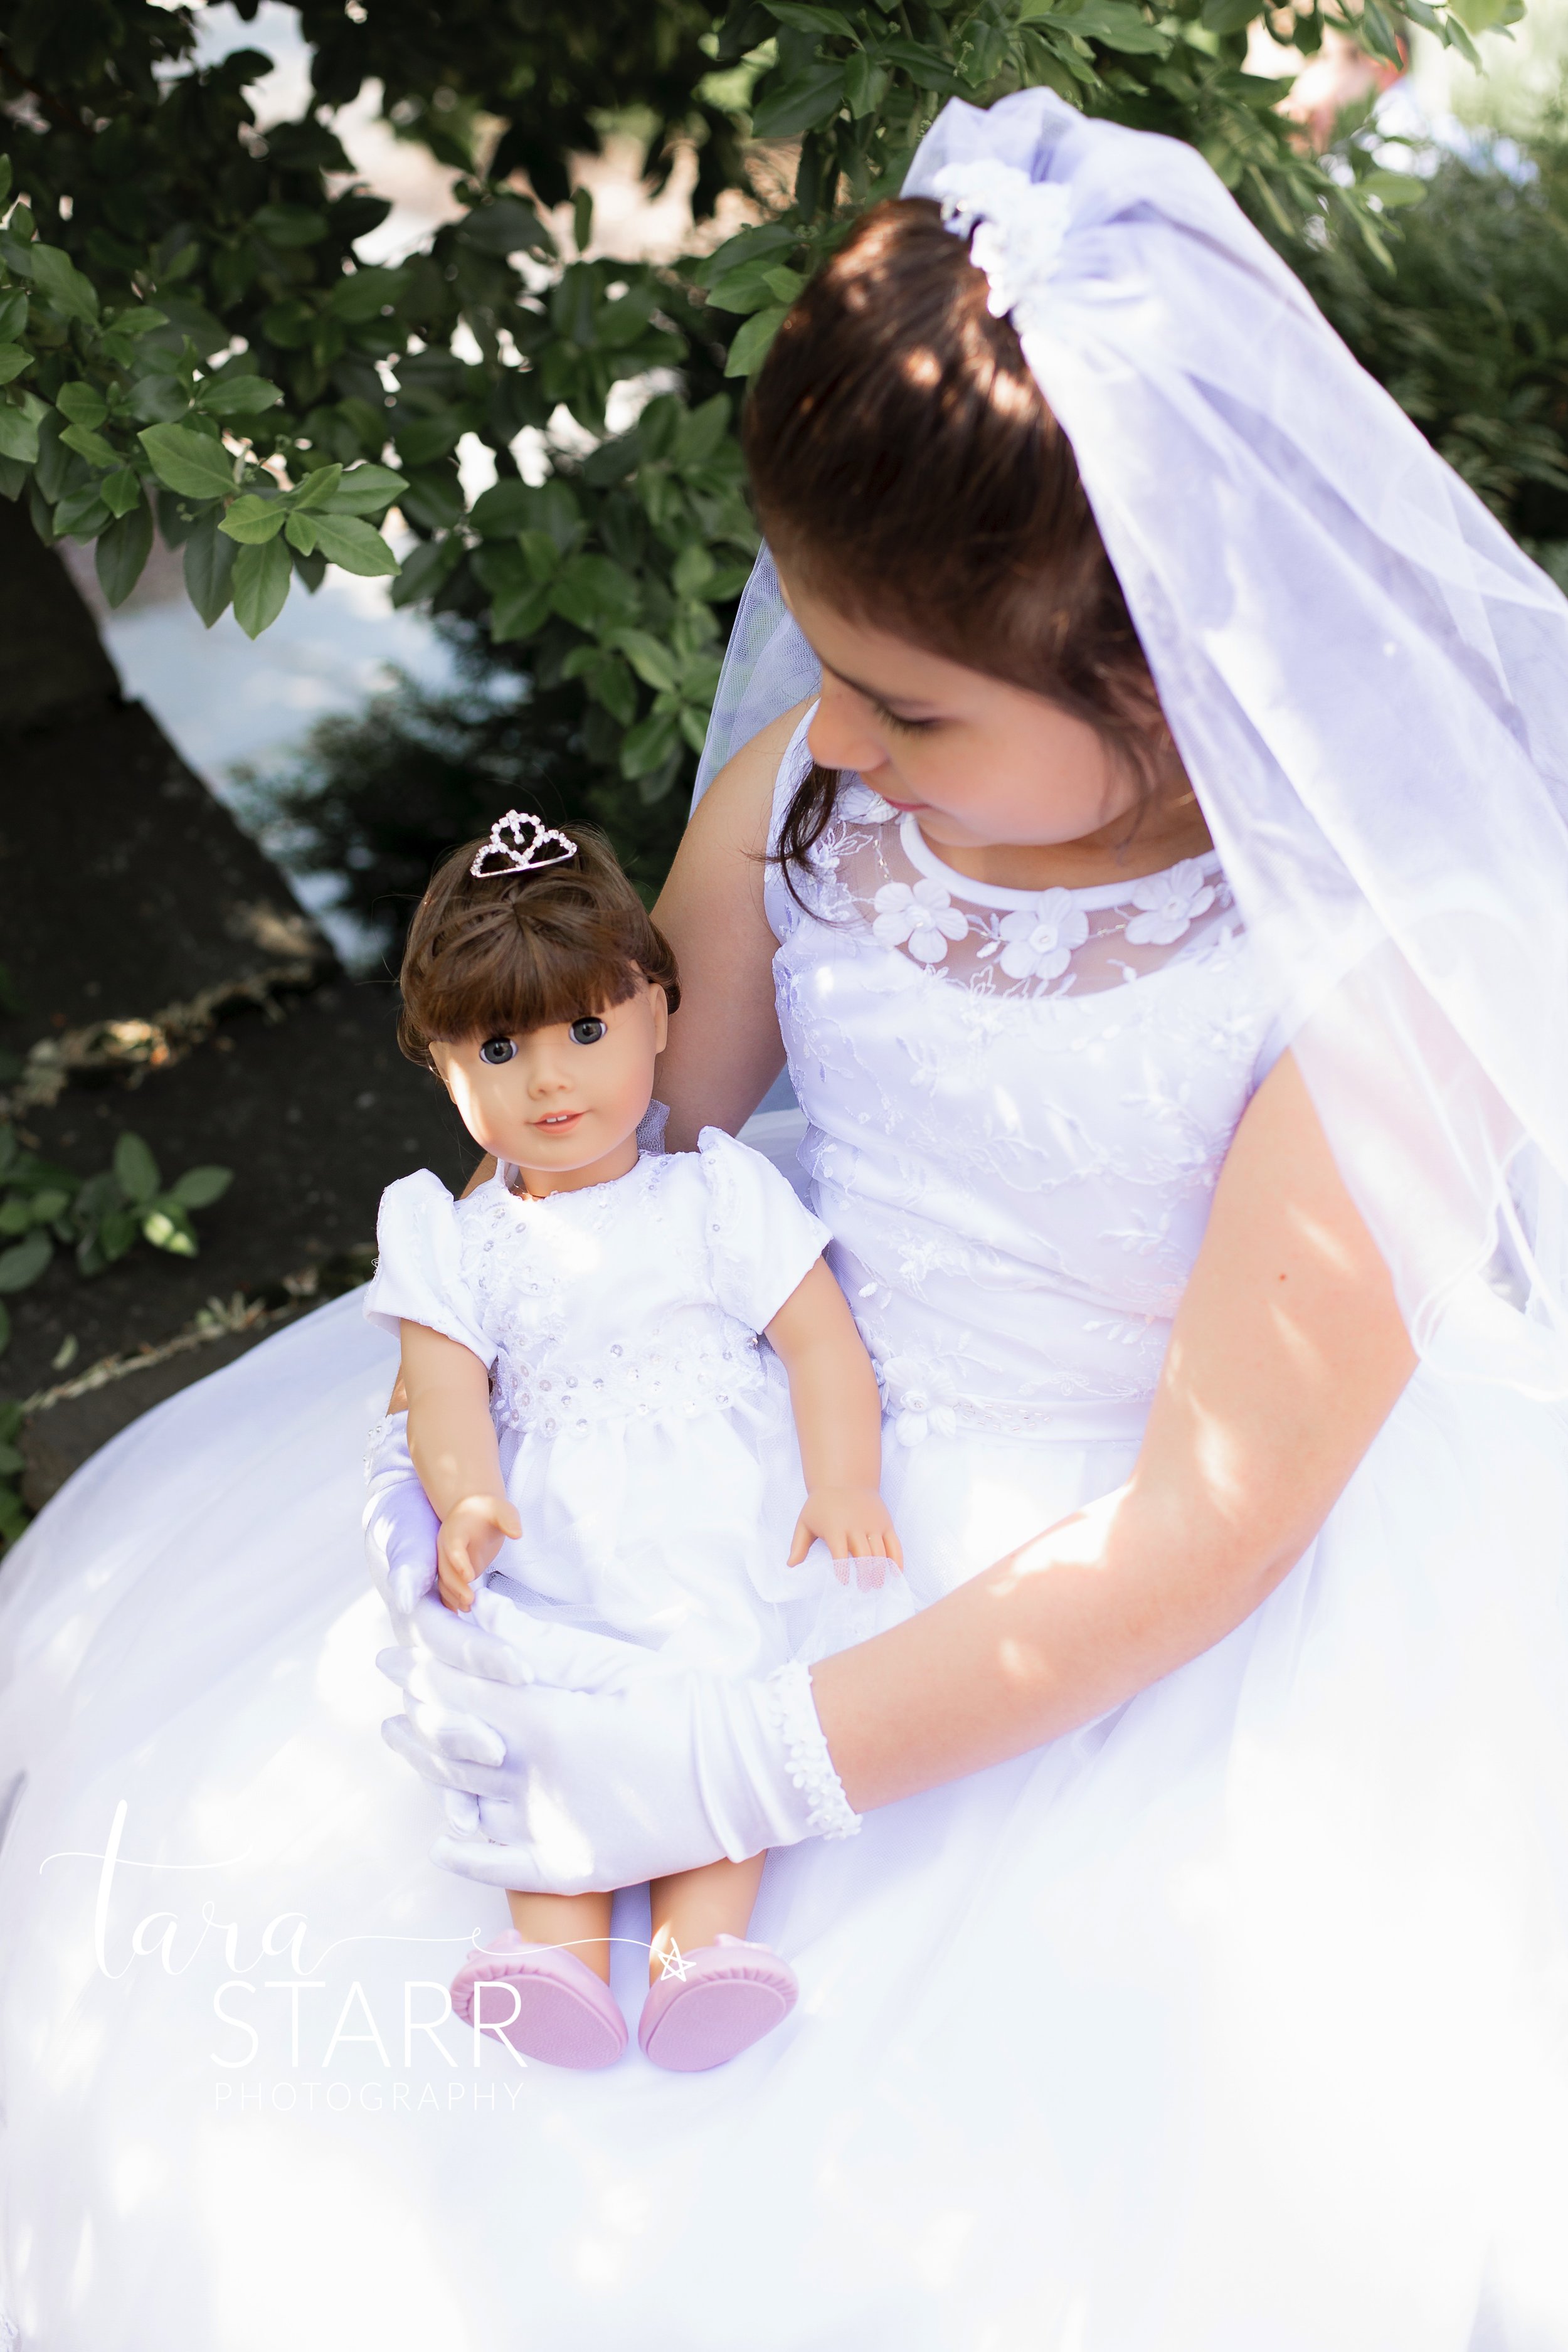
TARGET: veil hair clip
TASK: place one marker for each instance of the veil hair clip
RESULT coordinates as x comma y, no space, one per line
1016,227
522,853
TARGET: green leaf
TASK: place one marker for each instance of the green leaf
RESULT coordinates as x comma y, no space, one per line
198,1188
422,439
122,551
805,19
520,613
367,293
593,594
694,567
188,462
426,570
504,511
301,533
1230,15
750,348
506,224
237,396
209,568
289,225
168,1226
81,404
865,84
25,1262
120,491
116,1234
158,399
800,104
253,520
367,489
135,1169
90,445
648,744
18,434
62,284
700,434
1393,189
652,662
354,546
81,514
317,489
261,577
13,316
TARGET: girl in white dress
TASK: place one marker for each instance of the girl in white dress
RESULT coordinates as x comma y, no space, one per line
1188,1974
590,1411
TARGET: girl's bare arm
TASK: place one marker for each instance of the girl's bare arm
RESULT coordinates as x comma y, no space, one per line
724,1049
1286,1356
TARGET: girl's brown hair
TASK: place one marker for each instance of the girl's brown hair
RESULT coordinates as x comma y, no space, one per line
498,956
905,464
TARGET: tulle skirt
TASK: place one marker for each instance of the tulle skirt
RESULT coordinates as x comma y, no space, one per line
1233,2022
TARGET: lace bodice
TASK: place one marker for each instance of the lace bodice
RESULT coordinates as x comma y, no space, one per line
1017,1105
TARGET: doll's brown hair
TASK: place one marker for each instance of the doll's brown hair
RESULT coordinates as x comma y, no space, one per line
906,466
497,956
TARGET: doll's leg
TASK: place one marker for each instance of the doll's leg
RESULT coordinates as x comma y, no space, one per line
580,1922
693,1907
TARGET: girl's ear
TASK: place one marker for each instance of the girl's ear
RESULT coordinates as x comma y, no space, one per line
660,1016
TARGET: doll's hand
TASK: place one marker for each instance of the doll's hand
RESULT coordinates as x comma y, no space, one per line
853,1522
471,1537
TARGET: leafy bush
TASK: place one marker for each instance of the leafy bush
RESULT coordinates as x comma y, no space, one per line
1469,330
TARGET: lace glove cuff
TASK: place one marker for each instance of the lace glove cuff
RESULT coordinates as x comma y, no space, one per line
400,1527
806,1761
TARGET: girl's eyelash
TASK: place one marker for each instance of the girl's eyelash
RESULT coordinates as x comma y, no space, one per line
904,725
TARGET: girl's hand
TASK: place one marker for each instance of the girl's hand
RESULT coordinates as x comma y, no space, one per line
852,1521
471,1537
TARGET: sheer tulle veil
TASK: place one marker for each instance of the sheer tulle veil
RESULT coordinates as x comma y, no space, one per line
1366,679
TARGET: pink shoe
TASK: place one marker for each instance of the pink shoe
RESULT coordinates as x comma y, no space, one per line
731,1994
559,2011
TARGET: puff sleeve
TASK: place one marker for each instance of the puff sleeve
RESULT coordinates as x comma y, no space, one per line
761,1241
419,1274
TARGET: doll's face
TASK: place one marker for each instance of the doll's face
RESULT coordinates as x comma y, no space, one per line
983,763
562,1104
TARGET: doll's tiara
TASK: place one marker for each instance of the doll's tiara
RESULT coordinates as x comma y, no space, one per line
519,854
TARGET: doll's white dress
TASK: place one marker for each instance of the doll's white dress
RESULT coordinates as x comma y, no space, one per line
645,1432
1233,2023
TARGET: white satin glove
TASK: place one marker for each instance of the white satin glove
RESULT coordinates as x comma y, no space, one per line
573,1761
400,1527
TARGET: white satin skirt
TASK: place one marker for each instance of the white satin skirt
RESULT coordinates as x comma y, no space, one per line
1233,2023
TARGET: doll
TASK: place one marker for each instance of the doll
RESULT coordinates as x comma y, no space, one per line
591,1412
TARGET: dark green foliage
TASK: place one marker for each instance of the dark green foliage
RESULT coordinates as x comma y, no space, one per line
1469,333
379,796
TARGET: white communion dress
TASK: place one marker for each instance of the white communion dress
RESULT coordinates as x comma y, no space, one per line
647,1436
1232,2022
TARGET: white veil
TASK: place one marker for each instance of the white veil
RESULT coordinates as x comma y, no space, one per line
1367,680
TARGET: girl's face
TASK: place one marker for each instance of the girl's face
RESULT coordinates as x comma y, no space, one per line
983,763
562,1104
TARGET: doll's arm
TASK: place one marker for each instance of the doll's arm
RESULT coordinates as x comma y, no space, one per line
838,1420
452,1440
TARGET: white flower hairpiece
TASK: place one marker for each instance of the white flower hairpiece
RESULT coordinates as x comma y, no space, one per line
520,854
1016,225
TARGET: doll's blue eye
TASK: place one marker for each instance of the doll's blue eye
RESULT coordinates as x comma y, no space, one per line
497,1049
588,1031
